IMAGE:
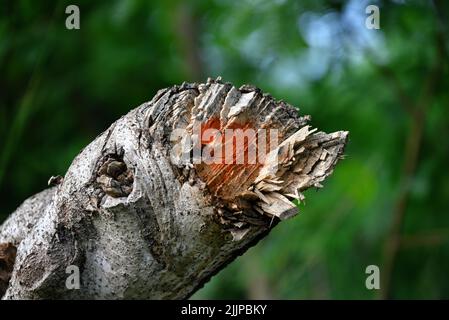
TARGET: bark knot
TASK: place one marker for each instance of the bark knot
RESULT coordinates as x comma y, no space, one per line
114,177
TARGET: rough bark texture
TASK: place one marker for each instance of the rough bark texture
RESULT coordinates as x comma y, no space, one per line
141,222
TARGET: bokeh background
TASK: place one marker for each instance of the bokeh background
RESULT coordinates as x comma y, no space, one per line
386,204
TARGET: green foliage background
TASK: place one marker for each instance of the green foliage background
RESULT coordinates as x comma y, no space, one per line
60,88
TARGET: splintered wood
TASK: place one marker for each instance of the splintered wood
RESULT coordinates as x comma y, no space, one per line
232,125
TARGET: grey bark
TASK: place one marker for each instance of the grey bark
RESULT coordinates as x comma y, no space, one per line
140,222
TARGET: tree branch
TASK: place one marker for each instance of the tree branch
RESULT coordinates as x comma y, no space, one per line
411,157
140,220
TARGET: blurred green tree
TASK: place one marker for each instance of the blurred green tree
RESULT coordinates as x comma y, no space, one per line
387,204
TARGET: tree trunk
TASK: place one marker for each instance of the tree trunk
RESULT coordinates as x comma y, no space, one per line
141,217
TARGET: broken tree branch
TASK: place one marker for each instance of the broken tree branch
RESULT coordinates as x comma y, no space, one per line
141,220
